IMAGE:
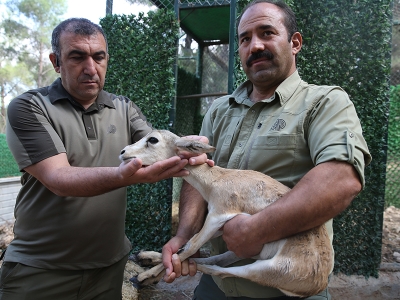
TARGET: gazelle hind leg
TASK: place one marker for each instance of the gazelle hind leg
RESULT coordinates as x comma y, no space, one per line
247,271
276,273
146,258
152,280
150,276
221,260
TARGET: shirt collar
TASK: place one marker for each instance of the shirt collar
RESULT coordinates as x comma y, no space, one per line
287,88
284,91
57,92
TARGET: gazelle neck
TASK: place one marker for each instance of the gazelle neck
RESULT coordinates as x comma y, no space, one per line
201,177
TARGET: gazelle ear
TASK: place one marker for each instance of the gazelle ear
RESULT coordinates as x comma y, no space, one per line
193,146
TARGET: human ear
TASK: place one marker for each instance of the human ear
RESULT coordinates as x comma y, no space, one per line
55,62
297,42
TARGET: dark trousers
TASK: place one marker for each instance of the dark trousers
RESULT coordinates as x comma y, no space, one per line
208,290
21,282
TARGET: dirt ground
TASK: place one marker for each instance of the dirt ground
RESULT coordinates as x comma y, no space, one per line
391,235
387,286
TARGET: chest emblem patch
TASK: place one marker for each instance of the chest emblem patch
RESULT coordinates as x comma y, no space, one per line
111,128
278,125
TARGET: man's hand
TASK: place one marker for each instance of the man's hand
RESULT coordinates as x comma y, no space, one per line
174,267
195,159
237,234
134,172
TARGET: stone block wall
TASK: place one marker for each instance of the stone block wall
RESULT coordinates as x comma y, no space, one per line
9,188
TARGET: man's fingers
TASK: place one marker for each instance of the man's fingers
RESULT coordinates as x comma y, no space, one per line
169,278
168,163
176,262
172,167
171,163
185,268
192,267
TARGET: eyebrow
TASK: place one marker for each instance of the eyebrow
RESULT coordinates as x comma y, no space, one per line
78,52
262,27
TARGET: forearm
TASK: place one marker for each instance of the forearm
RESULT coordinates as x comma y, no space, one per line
321,195
84,182
192,211
64,180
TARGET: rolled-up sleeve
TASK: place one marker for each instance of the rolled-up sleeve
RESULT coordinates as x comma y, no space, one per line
335,133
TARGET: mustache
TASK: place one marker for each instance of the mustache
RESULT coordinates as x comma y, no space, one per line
264,54
89,78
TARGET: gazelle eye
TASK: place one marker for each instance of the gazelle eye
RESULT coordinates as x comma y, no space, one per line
153,140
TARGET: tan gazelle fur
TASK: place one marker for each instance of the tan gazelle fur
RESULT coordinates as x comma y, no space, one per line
298,265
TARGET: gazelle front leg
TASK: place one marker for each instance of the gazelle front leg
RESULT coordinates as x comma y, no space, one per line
211,225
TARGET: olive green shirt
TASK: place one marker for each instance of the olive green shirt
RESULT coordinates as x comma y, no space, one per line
54,232
285,136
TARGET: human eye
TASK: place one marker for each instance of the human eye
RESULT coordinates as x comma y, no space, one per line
244,39
99,58
76,58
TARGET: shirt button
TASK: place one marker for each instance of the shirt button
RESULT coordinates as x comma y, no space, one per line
89,127
351,134
240,144
230,291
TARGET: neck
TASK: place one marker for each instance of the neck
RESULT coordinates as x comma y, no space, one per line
202,176
260,93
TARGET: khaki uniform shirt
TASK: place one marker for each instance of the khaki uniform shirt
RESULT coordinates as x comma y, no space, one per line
285,136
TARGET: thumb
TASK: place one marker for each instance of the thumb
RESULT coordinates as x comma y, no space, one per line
134,165
130,168
136,162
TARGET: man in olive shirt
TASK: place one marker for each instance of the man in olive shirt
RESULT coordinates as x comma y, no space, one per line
70,213
305,136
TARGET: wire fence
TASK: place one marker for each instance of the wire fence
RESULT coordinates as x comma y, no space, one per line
209,64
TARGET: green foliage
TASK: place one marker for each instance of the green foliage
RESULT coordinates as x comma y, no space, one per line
25,40
392,193
42,12
8,167
148,215
347,43
142,58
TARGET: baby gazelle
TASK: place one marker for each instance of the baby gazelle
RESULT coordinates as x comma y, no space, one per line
298,265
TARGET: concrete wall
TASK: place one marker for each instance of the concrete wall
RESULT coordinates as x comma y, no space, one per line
9,188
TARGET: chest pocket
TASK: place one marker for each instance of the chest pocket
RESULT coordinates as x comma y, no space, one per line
277,142
284,157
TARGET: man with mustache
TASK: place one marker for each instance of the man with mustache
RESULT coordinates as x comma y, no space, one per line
308,137
70,213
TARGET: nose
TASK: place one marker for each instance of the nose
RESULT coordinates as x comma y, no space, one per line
90,66
256,44
122,152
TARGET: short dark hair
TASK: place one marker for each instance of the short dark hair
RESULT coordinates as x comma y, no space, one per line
289,20
79,26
